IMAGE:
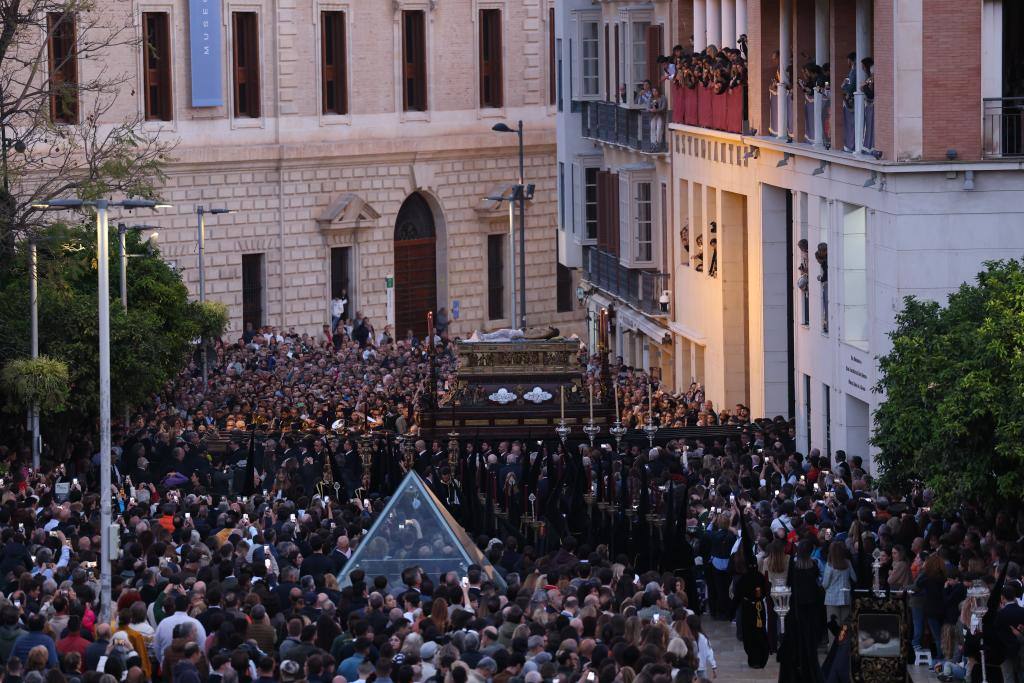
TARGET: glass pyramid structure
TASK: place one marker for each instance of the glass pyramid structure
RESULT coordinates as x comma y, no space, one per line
415,529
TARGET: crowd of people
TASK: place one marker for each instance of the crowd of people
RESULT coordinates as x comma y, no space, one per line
230,548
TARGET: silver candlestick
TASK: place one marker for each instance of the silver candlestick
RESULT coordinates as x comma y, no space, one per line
563,430
650,429
591,430
618,430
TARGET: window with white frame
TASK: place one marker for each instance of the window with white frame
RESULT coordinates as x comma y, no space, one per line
644,219
590,202
633,59
588,66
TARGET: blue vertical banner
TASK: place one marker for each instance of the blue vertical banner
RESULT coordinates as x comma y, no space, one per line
205,42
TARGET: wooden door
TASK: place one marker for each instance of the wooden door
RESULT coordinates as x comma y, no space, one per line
415,266
415,284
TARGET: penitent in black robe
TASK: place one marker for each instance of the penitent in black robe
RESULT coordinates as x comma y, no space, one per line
752,591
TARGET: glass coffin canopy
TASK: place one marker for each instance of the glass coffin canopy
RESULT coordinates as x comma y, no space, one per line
415,529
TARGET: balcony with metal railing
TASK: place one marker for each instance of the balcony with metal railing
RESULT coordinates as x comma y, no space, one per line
1003,127
631,127
641,289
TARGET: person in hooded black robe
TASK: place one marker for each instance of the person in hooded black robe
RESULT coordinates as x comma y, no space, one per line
752,591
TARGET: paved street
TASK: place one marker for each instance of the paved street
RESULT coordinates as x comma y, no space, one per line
732,661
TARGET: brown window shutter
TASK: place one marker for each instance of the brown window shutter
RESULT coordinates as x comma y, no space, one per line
157,66
334,84
653,52
490,58
63,63
246,65
602,209
552,62
613,232
414,61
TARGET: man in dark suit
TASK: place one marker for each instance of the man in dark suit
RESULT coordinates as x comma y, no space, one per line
1009,622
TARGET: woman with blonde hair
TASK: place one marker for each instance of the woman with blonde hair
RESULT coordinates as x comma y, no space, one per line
837,581
634,630
439,614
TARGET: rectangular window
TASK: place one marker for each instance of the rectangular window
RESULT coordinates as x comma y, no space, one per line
333,63
252,290
608,95
414,61
590,64
490,59
552,90
558,50
618,80
807,409
638,53
246,64
341,259
828,419
63,58
590,201
563,287
644,242
496,276
561,194
654,40
156,73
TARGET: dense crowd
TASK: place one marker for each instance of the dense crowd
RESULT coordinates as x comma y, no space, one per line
230,552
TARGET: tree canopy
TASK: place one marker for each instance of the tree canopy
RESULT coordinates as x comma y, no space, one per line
953,417
149,345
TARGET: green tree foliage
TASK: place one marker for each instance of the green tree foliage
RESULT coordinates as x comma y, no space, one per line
42,381
148,345
954,381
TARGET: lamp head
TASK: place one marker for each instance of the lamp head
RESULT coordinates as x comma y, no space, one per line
220,210
502,128
19,146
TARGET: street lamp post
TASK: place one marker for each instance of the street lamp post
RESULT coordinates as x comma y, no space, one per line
34,301
521,189
201,212
103,291
122,230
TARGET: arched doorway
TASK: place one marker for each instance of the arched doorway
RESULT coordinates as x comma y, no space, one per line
415,266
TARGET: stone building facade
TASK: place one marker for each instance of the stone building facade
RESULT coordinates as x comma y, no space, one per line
315,166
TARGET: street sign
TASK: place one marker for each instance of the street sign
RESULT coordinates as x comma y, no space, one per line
455,309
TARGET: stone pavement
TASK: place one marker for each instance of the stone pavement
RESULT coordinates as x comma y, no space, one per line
732,661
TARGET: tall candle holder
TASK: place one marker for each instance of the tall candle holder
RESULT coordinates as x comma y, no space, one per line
780,594
650,429
591,430
618,430
980,592
563,430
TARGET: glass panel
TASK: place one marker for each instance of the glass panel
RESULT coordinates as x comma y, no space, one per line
415,530
639,54
643,221
589,55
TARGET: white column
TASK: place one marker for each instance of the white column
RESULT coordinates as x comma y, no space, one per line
864,49
714,27
700,25
785,48
741,18
728,23
821,55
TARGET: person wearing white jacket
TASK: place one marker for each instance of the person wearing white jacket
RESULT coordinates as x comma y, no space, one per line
707,667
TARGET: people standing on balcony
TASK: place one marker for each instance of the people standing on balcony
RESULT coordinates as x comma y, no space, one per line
643,95
849,87
869,104
700,79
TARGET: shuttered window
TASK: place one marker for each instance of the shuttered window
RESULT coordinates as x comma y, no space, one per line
414,61
63,62
246,64
496,276
552,74
563,288
654,33
334,80
156,61
490,58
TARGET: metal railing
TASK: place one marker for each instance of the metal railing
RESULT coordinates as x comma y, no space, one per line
616,124
639,288
1003,119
